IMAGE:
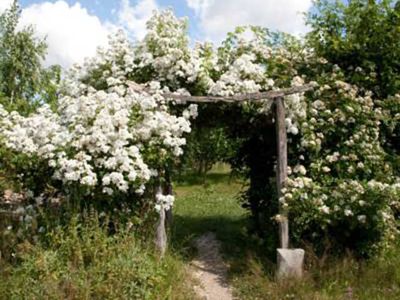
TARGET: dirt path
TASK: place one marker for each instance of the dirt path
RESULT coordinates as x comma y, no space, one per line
210,270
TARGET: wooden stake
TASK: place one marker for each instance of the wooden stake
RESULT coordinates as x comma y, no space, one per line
281,169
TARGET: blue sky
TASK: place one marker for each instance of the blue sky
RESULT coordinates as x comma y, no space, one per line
104,9
107,10
74,28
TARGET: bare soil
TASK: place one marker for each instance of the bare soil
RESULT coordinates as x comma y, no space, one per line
209,270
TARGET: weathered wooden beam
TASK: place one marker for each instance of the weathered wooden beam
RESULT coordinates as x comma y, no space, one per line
272,95
281,169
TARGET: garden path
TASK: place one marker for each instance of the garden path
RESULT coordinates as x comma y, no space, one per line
210,270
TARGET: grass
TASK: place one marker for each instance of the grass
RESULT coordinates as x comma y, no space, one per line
205,207
213,206
83,261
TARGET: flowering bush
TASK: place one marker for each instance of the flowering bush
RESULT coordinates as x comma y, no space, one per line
342,188
108,141
104,138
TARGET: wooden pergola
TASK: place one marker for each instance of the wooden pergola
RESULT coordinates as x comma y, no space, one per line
277,96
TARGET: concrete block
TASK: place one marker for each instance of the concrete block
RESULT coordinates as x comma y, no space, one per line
290,263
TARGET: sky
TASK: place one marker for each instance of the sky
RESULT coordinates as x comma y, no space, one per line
75,28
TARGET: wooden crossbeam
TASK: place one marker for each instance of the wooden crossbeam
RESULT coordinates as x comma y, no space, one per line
271,95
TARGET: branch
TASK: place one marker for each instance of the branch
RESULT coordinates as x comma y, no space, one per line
272,95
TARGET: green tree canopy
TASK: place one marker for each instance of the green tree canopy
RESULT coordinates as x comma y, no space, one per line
362,37
24,82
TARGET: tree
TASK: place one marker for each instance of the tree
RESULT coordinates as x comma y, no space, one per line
24,82
362,38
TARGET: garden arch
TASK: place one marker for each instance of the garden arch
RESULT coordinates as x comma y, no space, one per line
289,261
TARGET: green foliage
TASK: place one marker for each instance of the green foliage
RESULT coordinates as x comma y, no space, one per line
82,261
347,133
207,146
24,83
362,38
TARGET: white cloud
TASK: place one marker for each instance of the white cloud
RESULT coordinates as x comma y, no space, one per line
72,33
134,17
4,4
200,6
217,17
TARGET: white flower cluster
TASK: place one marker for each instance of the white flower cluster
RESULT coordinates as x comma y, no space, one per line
243,67
165,50
99,133
164,202
243,76
296,108
40,133
103,134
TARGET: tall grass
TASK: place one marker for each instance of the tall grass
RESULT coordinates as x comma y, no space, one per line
83,261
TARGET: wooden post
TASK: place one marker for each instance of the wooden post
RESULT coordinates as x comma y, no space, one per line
161,234
290,261
281,169
168,191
